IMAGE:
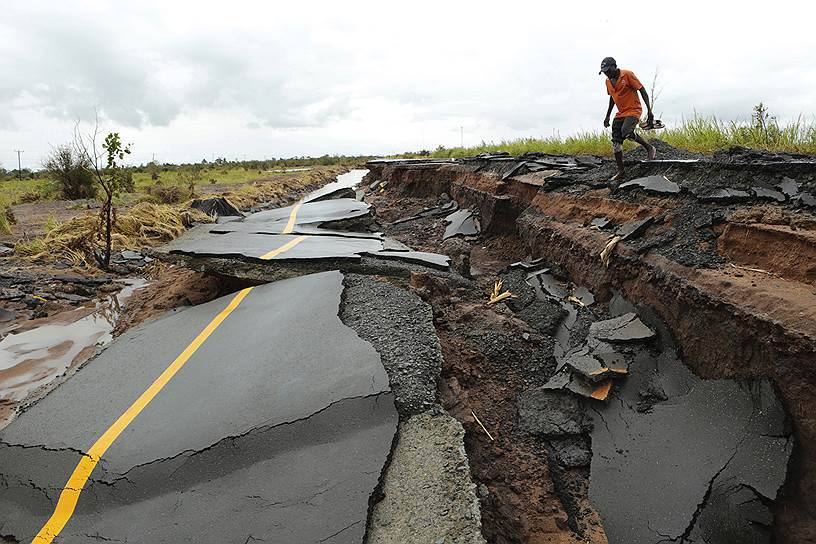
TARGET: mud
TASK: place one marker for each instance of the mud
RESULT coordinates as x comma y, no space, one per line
172,288
39,351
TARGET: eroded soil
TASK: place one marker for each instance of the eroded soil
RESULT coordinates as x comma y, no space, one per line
734,292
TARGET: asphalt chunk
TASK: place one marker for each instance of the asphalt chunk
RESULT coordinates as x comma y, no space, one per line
400,327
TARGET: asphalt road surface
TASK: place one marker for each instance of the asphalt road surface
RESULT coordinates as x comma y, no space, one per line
267,431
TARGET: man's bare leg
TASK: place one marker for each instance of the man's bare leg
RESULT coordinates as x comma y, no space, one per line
651,152
621,175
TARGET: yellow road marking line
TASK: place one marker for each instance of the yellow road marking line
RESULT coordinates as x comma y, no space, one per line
285,247
290,226
70,493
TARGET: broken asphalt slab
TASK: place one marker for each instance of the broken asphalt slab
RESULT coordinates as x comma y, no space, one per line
653,184
296,228
720,447
461,223
265,432
429,496
256,246
625,328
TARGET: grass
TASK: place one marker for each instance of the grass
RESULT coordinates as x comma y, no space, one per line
13,191
5,220
701,134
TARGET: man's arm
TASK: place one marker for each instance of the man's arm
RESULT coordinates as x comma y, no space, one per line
645,95
609,112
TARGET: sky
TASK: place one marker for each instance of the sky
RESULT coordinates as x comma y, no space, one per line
186,81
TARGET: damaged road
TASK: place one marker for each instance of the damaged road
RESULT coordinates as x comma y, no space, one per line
293,411
268,435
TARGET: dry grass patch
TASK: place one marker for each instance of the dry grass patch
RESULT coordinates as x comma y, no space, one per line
146,224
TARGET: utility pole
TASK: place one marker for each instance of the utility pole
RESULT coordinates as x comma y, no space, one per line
154,158
461,136
19,164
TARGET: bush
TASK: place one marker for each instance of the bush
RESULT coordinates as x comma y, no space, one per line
126,181
72,172
29,197
168,194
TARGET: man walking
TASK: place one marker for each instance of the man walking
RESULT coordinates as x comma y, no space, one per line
622,87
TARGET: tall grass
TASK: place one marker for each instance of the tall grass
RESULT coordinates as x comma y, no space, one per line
701,134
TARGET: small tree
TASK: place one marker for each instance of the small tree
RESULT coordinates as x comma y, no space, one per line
153,170
71,171
190,177
107,170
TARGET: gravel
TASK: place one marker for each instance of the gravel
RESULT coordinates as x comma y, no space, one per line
429,496
400,327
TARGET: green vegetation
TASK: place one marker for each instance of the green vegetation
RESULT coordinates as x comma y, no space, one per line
702,134
72,172
140,182
6,220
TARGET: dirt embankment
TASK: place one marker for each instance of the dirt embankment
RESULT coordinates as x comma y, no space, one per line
734,287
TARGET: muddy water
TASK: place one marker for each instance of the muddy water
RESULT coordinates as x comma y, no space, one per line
35,357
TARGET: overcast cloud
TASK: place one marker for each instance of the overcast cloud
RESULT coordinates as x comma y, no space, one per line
189,80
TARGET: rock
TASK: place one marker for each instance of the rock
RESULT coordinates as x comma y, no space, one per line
7,315
459,252
808,200
462,222
572,451
548,285
11,294
543,315
5,250
72,298
789,186
83,280
132,255
218,206
600,222
584,295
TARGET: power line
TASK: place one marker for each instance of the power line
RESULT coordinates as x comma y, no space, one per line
19,164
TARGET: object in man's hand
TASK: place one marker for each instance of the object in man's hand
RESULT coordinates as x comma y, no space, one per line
654,125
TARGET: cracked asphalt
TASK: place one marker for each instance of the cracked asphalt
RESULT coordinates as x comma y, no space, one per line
264,434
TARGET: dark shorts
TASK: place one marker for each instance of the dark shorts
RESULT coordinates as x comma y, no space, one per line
623,128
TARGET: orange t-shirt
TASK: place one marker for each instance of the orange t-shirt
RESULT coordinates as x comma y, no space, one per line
625,94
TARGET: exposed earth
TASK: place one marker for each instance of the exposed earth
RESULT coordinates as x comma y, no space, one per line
493,349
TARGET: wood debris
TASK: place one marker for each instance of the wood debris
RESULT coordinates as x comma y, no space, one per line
607,251
497,295
490,436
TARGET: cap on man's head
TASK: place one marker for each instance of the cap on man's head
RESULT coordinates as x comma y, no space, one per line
608,64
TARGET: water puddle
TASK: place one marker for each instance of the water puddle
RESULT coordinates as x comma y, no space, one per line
35,357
